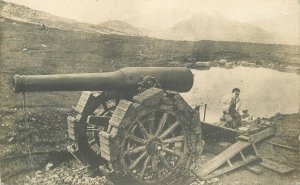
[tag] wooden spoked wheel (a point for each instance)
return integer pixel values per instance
(105, 110)
(151, 138)
(98, 108)
(155, 146)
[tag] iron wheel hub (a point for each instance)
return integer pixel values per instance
(154, 146)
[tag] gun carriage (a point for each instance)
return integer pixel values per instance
(132, 121)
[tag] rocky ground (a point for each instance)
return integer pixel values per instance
(35, 153)
(65, 173)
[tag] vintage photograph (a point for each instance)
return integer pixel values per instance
(149, 92)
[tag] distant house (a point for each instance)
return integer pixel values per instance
(202, 64)
(243, 63)
(222, 61)
(188, 64)
(174, 64)
(293, 69)
(228, 65)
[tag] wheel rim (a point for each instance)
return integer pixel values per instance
(155, 146)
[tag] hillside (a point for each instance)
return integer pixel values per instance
(174, 25)
(24, 14)
(122, 27)
(54, 46)
(26, 49)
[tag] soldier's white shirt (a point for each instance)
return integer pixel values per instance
(227, 101)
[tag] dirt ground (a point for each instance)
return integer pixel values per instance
(33, 141)
(38, 139)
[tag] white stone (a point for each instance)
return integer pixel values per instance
(49, 166)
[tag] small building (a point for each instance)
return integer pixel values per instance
(229, 65)
(243, 63)
(202, 64)
(222, 61)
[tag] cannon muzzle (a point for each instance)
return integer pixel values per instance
(170, 78)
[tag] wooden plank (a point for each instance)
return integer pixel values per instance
(223, 128)
(228, 169)
(98, 120)
(254, 148)
(214, 132)
(244, 138)
(282, 146)
(275, 166)
(220, 159)
(229, 163)
(255, 169)
(262, 135)
(243, 156)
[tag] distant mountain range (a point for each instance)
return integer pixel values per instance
(198, 27)
(206, 27)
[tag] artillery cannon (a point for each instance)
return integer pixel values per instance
(133, 120)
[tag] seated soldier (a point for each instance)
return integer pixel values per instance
(231, 106)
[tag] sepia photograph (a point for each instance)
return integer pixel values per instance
(149, 92)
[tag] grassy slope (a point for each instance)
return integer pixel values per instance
(77, 52)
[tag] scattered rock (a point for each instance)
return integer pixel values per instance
(236, 182)
(39, 172)
(214, 180)
(49, 166)
(10, 140)
(198, 182)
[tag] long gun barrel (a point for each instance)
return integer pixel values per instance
(171, 78)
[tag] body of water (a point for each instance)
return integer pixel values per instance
(264, 92)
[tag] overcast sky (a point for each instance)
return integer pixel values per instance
(96, 11)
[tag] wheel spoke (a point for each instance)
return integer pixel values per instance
(135, 150)
(173, 152)
(143, 129)
(136, 139)
(137, 160)
(98, 152)
(134, 127)
(169, 130)
(162, 122)
(144, 168)
(154, 167)
(92, 142)
(165, 162)
(151, 124)
(104, 105)
(174, 139)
